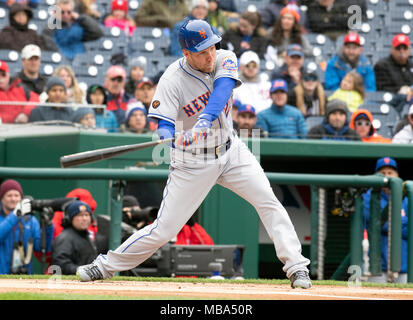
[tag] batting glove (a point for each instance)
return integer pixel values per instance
(199, 131)
(23, 207)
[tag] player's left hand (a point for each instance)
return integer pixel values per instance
(199, 131)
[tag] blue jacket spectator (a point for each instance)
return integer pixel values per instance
(282, 120)
(348, 59)
(388, 167)
(75, 29)
(11, 227)
(199, 10)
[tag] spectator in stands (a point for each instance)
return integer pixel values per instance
(362, 122)
(85, 196)
(247, 120)
(271, 12)
(74, 246)
(286, 31)
(9, 3)
(17, 226)
(75, 93)
(291, 71)
(86, 117)
(137, 68)
(405, 135)
(335, 125)
(351, 91)
(349, 58)
(328, 17)
(395, 72)
(144, 92)
(388, 167)
(14, 91)
(17, 35)
(88, 7)
(75, 29)
(246, 35)
(118, 98)
(198, 11)
(135, 119)
(96, 94)
(29, 76)
(254, 90)
(161, 13)
(282, 120)
(308, 95)
(216, 17)
(56, 92)
(119, 17)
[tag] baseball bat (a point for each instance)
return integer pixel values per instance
(76, 159)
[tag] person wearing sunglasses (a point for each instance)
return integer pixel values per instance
(394, 73)
(362, 122)
(308, 95)
(406, 134)
(117, 98)
(73, 29)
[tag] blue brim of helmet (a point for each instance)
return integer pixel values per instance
(206, 43)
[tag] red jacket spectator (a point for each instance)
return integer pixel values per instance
(192, 233)
(14, 92)
(83, 195)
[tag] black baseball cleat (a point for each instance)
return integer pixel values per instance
(89, 272)
(300, 279)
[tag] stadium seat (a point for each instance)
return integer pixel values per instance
(326, 47)
(313, 121)
(148, 46)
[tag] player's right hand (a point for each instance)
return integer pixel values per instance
(23, 207)
(185, 139)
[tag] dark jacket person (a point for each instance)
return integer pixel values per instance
(17, 35)
(73, 247)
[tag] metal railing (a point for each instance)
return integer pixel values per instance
(116, 176)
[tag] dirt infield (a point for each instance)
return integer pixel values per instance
(198, 290)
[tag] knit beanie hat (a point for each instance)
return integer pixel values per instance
(129, 201)
(54, 81)
(81, 112)
(76, 207)
(133, 106)
(336, 105)
(8, 185)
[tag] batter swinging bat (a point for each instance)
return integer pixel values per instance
(106, 153)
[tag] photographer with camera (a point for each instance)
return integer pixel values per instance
(74, 246)
(20, 232)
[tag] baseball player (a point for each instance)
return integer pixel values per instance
(193, 103)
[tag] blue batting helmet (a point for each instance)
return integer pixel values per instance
(197, 35)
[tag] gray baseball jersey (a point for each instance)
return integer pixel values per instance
(183, 92)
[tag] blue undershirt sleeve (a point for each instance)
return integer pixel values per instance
(218, 99)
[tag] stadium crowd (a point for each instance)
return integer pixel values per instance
(291, 88)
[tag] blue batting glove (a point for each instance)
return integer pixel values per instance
(202, 127)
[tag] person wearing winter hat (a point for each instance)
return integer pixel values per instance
(56, 92)
(137, 69)
(18, 226)
(362, 122)
(119, 17)
(388, 167)
(135, 119)
(86, 117)
(18, 34)
(96, 94)
(74, 246)
(335, 124)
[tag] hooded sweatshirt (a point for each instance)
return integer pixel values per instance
(373, 136)
(17, 36)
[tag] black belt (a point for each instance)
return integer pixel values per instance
(214, 150)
